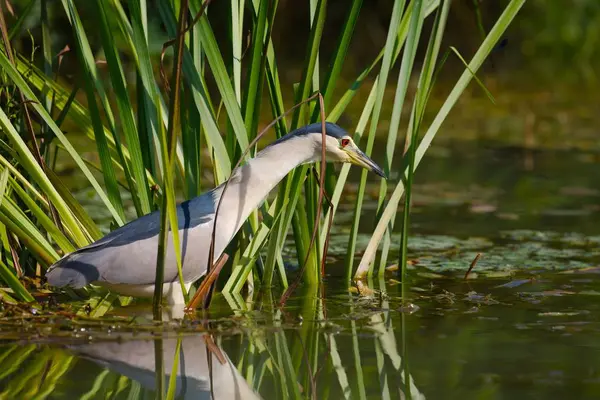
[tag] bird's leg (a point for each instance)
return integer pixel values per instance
(206, 284)
(210, 345)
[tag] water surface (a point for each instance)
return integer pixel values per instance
(524, 325)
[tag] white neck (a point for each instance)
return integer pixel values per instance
(250, 184)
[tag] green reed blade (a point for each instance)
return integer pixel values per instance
(214, 141)
(148, 115)
(339, 108)
(9, 277)
(297, 214)
(424, 87)
(484, 50)
(83, 218)
(172, 388)
(381, 85)
(237, 38)
(18, 223)
(64, 100)
(41, 216)
(94, 87)
(253, 91)
(242, 268)
(339, 56)
(406, 66)
(312, 52)
(139, 189)
(219, 71)
(34, 170)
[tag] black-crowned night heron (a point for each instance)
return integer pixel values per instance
(125, 260)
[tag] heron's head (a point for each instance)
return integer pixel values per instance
(339, 146)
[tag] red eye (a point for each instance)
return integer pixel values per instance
(345, 142)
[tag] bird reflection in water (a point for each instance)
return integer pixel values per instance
(198, 374)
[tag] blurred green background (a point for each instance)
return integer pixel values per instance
(542, 74)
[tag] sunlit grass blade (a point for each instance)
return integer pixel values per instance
(148, 115)
(408, 58)
(94, 87)
(219, 71)
(419, 104)
(41, 216)
(297, 214)
(34, 169)
(64, 100)
(339, 56)
(9, 277)
(254, 82)
(343, 174)
(139, 187)
(381, 85)
(242, 268)
(484, 50)
(214, 141)
(172, 388)
(20, 225)
(83, 218)
(339, 107)
(237, 32)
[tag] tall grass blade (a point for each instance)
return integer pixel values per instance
(484, 50)
(94, 86)
(253, 92)
(339, 56)
(29, 162)
(381, 85)
(408, 58)
(214, 141)
(172, 388)
(139, 188)
(219, 71)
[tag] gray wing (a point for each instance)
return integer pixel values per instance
(128, 254)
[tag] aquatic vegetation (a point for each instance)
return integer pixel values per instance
(157, 127)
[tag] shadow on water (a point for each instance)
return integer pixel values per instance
(525, 325)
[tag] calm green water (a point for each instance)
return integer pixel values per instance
(524, 326)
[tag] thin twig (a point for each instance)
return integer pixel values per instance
(329, 225)
(211, 252)
(28, 123)
(473, 263)
(12, 244)
(171, 42)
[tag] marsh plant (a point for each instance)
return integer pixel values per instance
(161, 121)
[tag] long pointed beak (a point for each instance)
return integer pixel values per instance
(357, 157)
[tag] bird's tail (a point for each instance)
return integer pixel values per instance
(70, 272)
